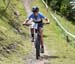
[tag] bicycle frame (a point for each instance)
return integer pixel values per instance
(36, 34)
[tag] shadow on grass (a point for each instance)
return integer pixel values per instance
(50, 57)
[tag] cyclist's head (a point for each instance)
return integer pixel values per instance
(35, 10)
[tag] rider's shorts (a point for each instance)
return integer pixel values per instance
(32, 25)
(40, 25)
(36, 25)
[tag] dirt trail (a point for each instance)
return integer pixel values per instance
(26, 4)
(30, 59)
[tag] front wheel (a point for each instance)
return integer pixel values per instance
(37, 53)
(37, 47)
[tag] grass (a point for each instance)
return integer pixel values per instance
(14, 45)
(60, 50)
(69, 25)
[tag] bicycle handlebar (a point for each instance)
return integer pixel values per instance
(31, 24)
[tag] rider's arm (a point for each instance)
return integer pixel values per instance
(28, 19)
(45, 18)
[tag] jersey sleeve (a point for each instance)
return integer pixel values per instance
(42, 16)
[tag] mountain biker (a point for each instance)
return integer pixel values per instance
(38, 17)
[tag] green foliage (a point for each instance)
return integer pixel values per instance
(53, 4)
(64, 7)
(14, 43)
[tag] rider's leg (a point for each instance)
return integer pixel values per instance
(41, 34)
(42, 44)
(32, 29)
(32, 34)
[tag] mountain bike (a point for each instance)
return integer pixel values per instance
(37, 40)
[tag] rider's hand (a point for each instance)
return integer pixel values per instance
(25, 22)
(47, 21)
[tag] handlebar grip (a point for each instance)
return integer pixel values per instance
(46, 23)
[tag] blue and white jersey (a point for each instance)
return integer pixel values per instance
(36, 18)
